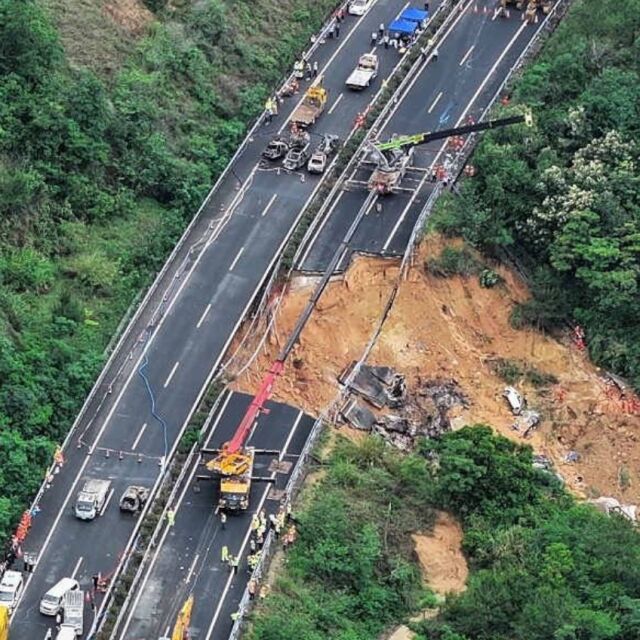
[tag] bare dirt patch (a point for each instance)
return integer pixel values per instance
(455, 329)
(131, 15)
(440, 555)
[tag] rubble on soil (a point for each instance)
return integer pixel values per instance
(611, 505)
(424, 413)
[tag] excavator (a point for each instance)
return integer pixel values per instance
(393, 158)
(4, 623)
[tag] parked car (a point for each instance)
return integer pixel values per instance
(359, 7)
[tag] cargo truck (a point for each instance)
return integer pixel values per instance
(74, 612)
(311, 107)
(365, 73)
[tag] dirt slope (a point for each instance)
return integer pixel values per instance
(454, 328)
(440, 555)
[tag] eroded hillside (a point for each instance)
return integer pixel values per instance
(453, 328)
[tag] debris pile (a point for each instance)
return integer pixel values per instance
(424, 413)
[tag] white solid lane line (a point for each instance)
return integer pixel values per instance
(203, 316)
(273, 199)
(235, 260)
(216, 615)
(192, 568)
(137, 440)
(335, 104)
(168, 380)
(458, 123)
(466, 55)
(75, 570)
(434, 103)
(106, 502)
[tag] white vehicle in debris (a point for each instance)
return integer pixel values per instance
(365, 73)
(91, 498)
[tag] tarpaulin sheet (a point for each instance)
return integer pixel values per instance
(404, 27)
(414, 15)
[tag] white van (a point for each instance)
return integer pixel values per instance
(10, 589)
(51, 601)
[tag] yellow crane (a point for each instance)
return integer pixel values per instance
(181, 628)
(4, 623)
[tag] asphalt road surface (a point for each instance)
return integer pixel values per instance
(178, 340)
(474, 58)
(188, 559)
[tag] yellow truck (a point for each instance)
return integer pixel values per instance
(311, 107)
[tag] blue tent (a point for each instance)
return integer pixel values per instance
(403, 27)
(414, 15)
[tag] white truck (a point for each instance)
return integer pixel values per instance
(364, 73)
(91, 498)
(74, 612)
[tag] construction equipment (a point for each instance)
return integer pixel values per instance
(181, 628)
(233, 462)
(311, 107)
(393, 158)
(364, 73)
(134, 498)
(4, 623)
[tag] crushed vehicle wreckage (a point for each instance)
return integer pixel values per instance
(380, 403)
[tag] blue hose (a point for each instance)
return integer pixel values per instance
(153, 403)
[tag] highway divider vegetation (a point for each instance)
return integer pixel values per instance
(104, 157)
(541, 565)
(564, 199)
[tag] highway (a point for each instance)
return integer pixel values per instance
(474, 57)
(188, 560)
(177, 340)
(168, 579)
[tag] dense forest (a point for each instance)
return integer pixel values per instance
(542, 566)
(564, 199)
(107, 148)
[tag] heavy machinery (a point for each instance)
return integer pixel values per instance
(311, 107)
(181, 628)
(4, 623)
(393, 158)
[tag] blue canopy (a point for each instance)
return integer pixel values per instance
(403, 27)
(414, 15)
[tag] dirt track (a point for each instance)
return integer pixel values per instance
(454, 328)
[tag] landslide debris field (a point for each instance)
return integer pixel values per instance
(451, 333)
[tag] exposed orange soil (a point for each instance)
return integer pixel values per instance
(131, 15)
(453, 328)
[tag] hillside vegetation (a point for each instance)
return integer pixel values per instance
(565, 198)
(542, 567)
(103, 159)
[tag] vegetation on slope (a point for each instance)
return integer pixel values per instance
(542, 567)
(565, 197)
(98, 176)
